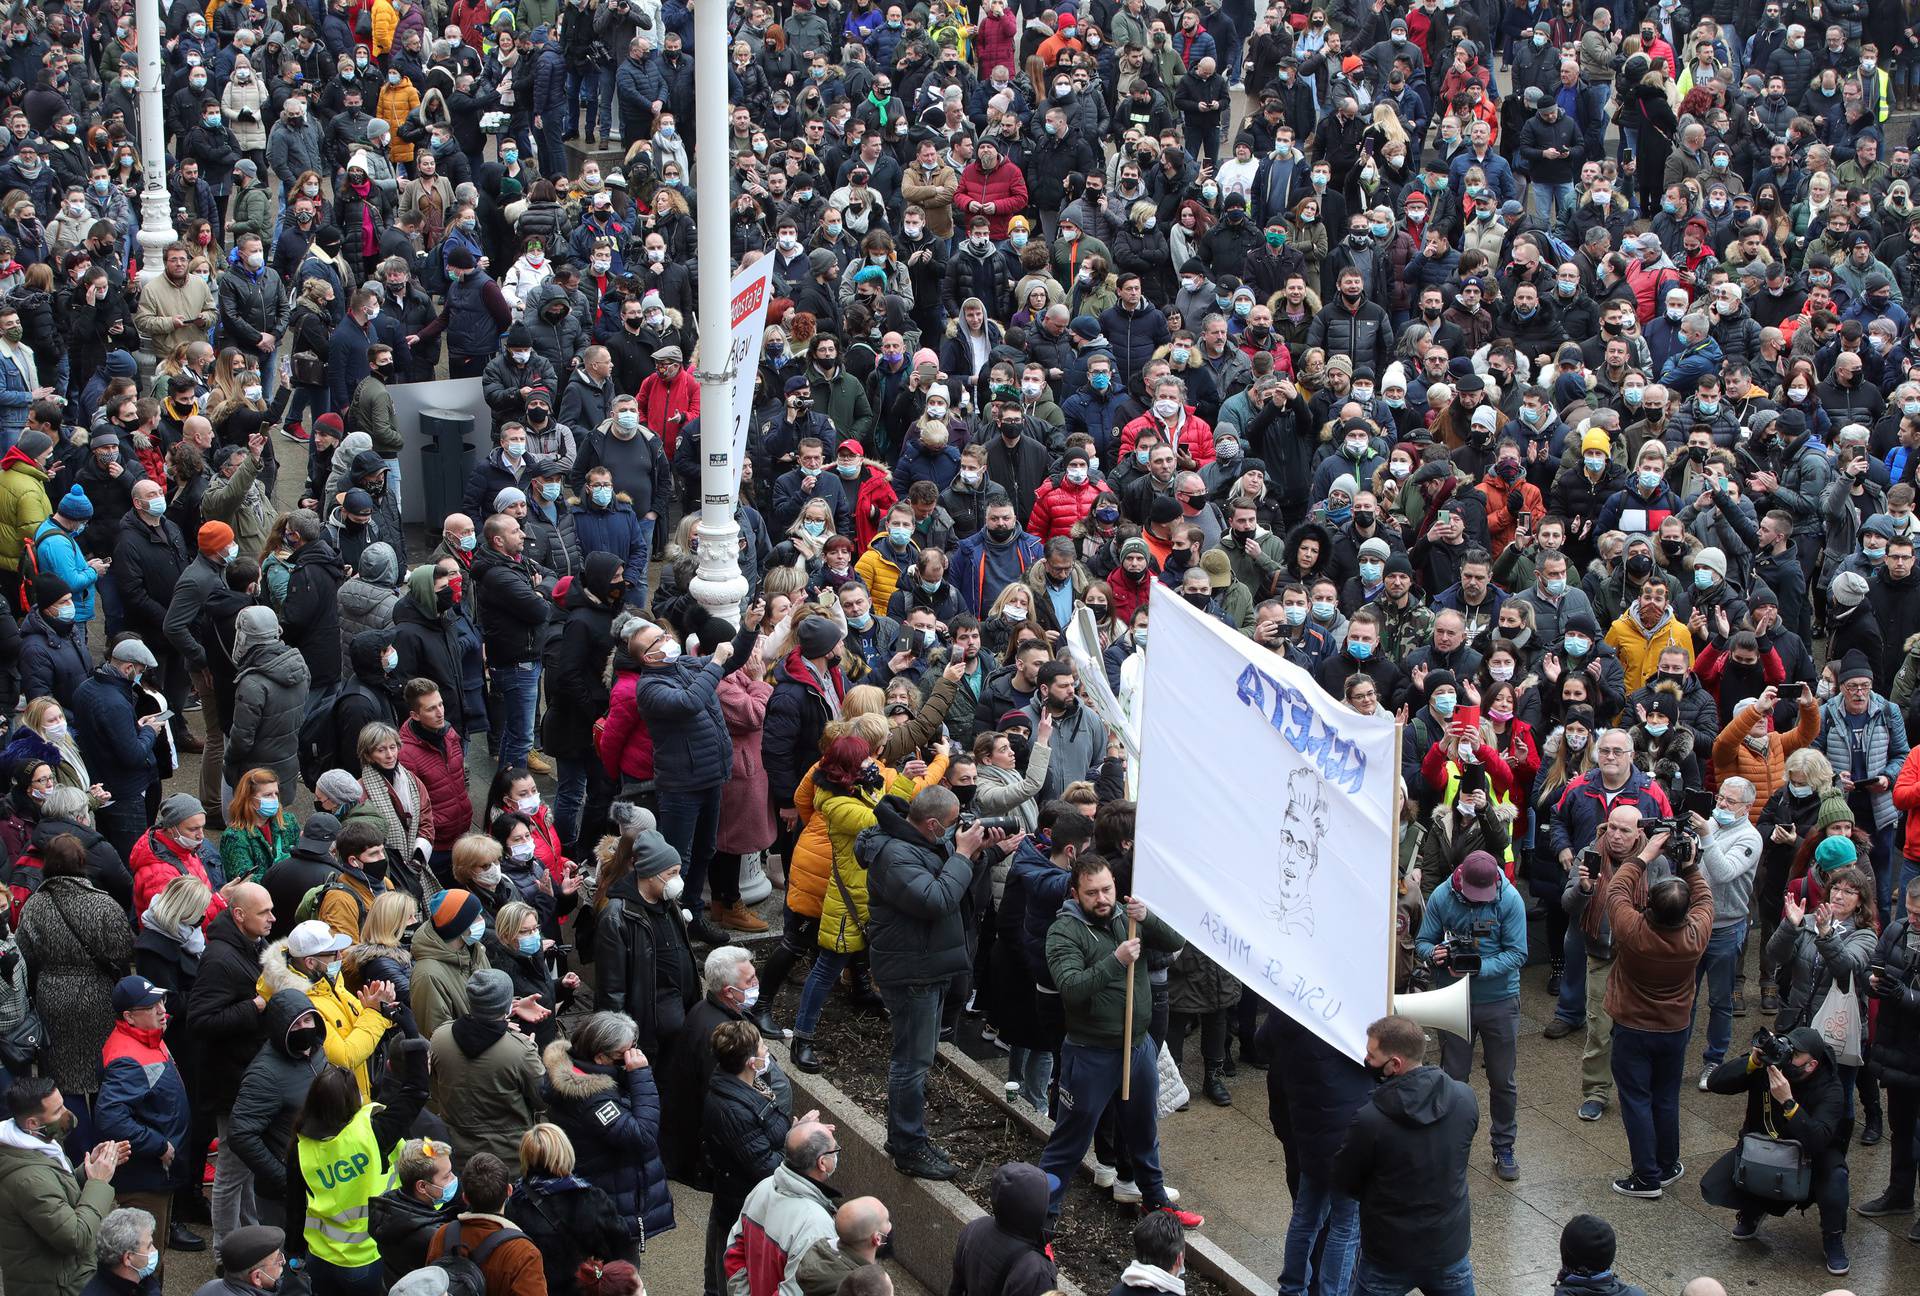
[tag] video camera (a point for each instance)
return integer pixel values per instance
(1463, 948)
(1683, 844)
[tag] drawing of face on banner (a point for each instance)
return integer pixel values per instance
(1302, 827)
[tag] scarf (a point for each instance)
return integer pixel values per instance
(874, 99)
(363, 191)
(475, 1035)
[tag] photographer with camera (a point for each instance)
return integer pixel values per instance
(1477, 925)
(1793, 1095)
(1893, 978)
(1650, 998)
(923, 893)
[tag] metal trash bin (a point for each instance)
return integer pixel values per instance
(446, 457)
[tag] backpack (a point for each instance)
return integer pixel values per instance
(309, 906)
(318, 749)
(462, 1268)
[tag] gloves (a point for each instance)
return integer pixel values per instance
(1515, 501)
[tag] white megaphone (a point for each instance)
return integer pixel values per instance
(1444, 1009)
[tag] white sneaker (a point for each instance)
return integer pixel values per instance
(1705, 1072)
(1104, 1175)
(1127, 1193)
(754, 883)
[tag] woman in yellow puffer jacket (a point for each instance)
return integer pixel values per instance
(847, 784)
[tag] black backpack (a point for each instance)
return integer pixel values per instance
(319, 748)
(462, 1267)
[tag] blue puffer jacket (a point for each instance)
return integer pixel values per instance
(118, 749)
(680, 702)
(142, 1101)
(615, 530)
(1043, 888)
(613, 1117)
(59, 554)
(1503, 951)
(54, 661)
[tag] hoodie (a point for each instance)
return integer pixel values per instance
(271, 1094)
(1005, 1253)
(1406, 1161)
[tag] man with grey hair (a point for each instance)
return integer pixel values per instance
(1698, 355)
(1729, 856)
(785, 1214)
(125, 1248)
(731, 993)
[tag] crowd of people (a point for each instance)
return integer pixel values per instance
(1541, 373)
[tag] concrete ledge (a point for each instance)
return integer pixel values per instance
(1202, 1253)
(927, 1216)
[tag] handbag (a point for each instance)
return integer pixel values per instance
(22, 1044)
(1774, 1169)
(1838, 1022)
(309, 370)
(1174, 1093)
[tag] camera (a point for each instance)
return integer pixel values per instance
(988, 823)
(1683, 844)
(1772, 1049)
(1463, 948)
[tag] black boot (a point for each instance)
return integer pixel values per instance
(1216, 1089)
(1228, 1067)
(1555, 968)
(861, 994)
(702, 932)
(804, 1056)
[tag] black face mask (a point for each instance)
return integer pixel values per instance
(375, 869)
(999, 535)
(1379, 1073)
(964, 794)
(303, 1040)
(443, 599)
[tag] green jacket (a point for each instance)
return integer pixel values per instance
(23, 507)
(440, 972)
(1093, 984)
(252, 214)
(373, 414)
(48, 1219)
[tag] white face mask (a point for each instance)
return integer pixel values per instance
(528, 804)
(488, 876)
(675, 885)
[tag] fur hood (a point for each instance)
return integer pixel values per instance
(567, 1080)
(277, 973)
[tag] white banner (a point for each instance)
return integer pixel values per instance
(1264, 833)
(751, 293)
(1089, 662)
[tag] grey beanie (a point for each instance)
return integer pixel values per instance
(489, 993)
(652, 854)
(340, 787)
(179, 808)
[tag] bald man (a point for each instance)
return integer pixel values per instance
(862, 1229)
(223, 1016)
(1704, 1286)
(785, 1214)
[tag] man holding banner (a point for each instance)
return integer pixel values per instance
(1091, 954)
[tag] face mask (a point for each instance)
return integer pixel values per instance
(1702, 578)
(1649, 480)
(1443, 704)
(972, 476)
(1657, 730)
(479, 928)
(468, 541)
(1370, 573)
(1360, 651)
(452, 1190)
(333, 970)
(64, 612)
(675, 885)
(1164, 409)
(1323, 610)
(1077, 476)
(1577, 646)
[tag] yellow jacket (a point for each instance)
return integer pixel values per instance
(353, 1032)
(396, 102)
(846, 817)
(1640, 648)
(385, 20)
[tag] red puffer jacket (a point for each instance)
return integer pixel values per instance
(1004, 187)
(442, 771)
(1058, 504)
(625, 746)
(157, 860)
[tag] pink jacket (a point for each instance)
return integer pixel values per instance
(746, 812)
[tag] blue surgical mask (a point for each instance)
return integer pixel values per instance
(1444, 703)
(602, 495)
(1102, 381)
(530, 944)
(63, 612)
(451, 1191)
(1361, 651)
(1323, 610)
(814, 528)
(468, 540)
(1371, 572)
(1725, 817)
(900, 536)
(1708, 406)
(1577, 645)
(549, 491)
(1649, 480)
(862, 621)
(1802, 790)
(1702, 578)
(269, 807)
(1657, 730)
(148, 1265)
(1295, 614)
(1594, 463)
(1557, 586)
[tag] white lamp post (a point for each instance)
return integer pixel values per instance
(156, 218)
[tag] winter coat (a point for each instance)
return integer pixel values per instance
(747, 822)
(1503, 951)
(1886, 749)
(434, 646)
(1325, 1089)
(569, 1220)
(485, 1085)
(1405, 1159)
(54, 661)
(1767, 773)
(783, 1216)
(576, 670)
(440, 768)
(744, 1127)
(310, 618)
(917, 895)
(220, 1012)
(49, 1218)
(142, 1101)
(269, 702)
(681, 705)
(364, 605)
(78, 944)
(271, 1089)
(404, 1226)
(643, 965)
(796, 716)
(844, 908)
(1006, 1253)
(1092, 982)
(440, 971)
(353, 1031)
(1896, 1028)
(1808, 965)
(613, 1117)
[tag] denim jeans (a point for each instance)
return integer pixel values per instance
(512, 692)
(571, 796)
(1550, 200)
(1032, 1070)
(393, 480)
(1572, 1008)
(689, 820)
(1370, 1279)
(827, 967)
(112, 609)
(913, 1011)
(234, 1204)
(1318, 1205)
(1716, 968)
(1648, 1070)
(583, 97)
(333, 1280)
(308, 403)
(638, 580)
(1089, 1080)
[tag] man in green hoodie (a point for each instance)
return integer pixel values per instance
(1091, 956)
(48, 1216)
